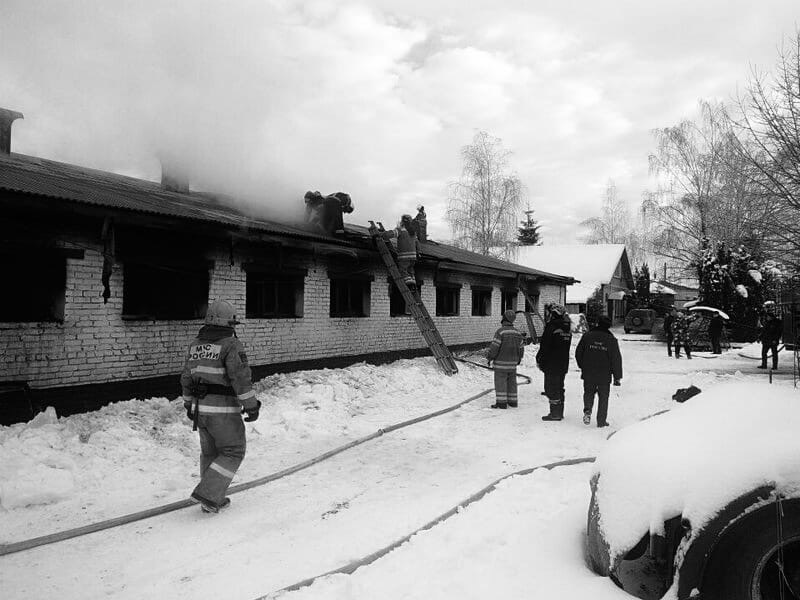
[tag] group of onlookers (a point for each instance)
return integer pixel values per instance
(597, 355)
(770, 330)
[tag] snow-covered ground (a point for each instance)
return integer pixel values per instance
(525, 537)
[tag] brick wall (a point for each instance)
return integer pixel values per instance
(95, 345)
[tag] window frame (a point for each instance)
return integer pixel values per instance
(505, 296)
(395, 297)
(166, 279)
(481, 300)
(350, 283)
(290, 282)
(36, 272)
(443, 289)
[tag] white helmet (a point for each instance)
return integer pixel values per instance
(221, 313)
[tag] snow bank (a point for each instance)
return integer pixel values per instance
(696, 458)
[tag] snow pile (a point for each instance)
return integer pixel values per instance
(130, 455)
(696, 458)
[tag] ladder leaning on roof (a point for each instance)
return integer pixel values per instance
(529, 315)
(426, 325)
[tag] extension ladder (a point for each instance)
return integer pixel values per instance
(426, 325)
(528, 315)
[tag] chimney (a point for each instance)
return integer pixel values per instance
(7, 117)
(173, 177)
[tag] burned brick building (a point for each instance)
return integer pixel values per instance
(108, 277)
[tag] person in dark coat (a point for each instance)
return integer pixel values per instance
(553, 360)
(505, 351)
(770, 335)
(680, 331)
(715, 333)
(669, 319)
(600, 361)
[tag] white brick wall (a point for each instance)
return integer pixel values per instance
(95, 345)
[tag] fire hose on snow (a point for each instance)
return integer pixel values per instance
(60, 536)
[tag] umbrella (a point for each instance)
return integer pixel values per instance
(711, 309)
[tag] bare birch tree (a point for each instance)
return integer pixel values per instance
(614, 225)
(705, 190)
(768, 125)
(483, 205)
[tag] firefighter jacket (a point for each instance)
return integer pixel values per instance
(407, 243)
(553, 354)
(598, 356)
(506, 349)
(216, 374)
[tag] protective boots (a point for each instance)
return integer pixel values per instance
(556, 412)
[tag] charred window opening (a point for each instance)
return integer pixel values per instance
(350, 297)
(153, 291)
(447, 300)
(397, 304)
(274, 294)
(481, 301)
(508, 300)
(37, 289)
(532, 308)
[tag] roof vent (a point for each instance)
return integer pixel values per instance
(7, 117)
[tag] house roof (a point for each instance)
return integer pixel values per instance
(61, 181)
(592, 265)
(57, 180)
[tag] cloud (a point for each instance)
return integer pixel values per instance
(266, 99)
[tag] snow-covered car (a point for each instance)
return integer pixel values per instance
(640, 319)
(703, 501)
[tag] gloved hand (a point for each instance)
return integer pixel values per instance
(252, 413)
(187, 404)
(616, 382)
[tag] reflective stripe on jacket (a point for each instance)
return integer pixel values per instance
(218, 358)
(506, 349)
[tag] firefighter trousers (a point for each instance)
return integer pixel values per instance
(222, 448)
(505, 387)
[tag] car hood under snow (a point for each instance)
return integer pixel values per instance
(696, 458)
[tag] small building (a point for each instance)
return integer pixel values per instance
(595, 266)
(108, 279)
(683, 292)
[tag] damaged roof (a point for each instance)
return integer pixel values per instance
(62, 181)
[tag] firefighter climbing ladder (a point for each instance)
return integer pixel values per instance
(426, 325)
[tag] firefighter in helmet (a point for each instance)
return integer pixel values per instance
(217, 389)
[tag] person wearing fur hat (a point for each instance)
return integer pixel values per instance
(553, 359)
(599, 360)
(505, 351)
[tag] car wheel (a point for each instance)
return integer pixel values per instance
(637, 321)
(753, 562)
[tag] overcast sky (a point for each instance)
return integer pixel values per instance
(267, 99)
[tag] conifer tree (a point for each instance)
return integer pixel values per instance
(529, 232)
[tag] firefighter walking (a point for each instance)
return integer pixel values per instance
(506, 351)
(217, 389)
